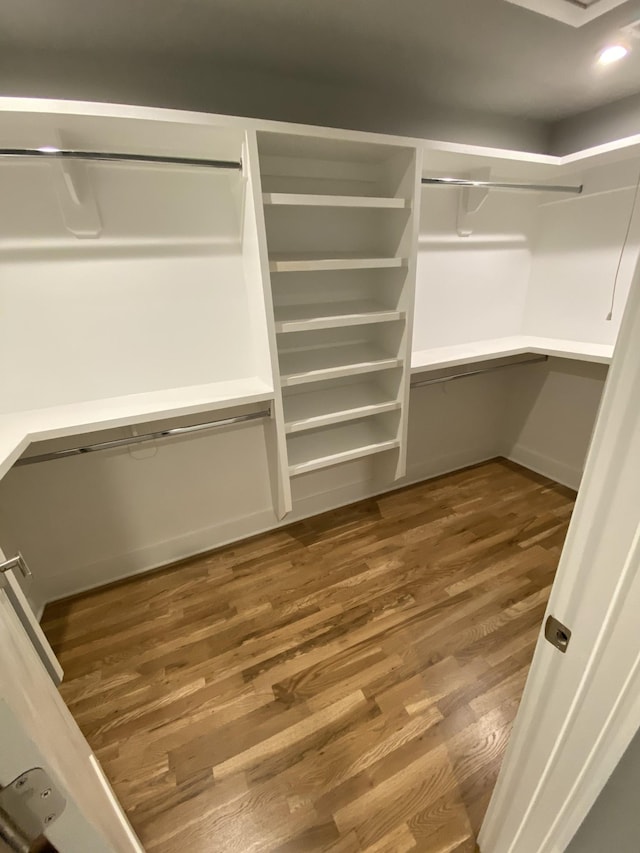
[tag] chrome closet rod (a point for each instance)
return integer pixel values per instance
(73, 154)
(452, 376)
(138, 439)
(501, 185)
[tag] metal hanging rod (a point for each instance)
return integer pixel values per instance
(138, 439)
(451, 377)
(501, 185)
(73, 154)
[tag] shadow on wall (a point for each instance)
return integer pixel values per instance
(92, 519)
(551, 416)
(256, 93)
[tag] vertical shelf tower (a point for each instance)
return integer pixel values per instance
(341, 234)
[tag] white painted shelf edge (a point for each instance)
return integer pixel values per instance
(19, 429)
(344, 456)
(303, 200)
(333, 315)
(343, 416)
(309, 263)
(455, 356)
(312, 366)
(353, 441)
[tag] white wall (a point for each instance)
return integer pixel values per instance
(470, 288)
(551, 414)
(157, 300)
(577, 255)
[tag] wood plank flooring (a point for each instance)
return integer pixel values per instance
(347, 683)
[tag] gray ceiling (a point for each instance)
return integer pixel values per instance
(484, 54)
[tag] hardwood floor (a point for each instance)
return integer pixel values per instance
(343, 684)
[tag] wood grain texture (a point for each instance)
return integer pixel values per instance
(344, 684)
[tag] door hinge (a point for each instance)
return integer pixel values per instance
(557, 633)
(28, 805)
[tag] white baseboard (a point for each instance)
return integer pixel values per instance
(556, 470)
(196, 542)
(156, 556)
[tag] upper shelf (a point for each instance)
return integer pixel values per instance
(331, 315)
(454, 356)
(306, 200)
(334, 261)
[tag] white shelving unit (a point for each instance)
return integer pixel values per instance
(340, 234)
(293, 284)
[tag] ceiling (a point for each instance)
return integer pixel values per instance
(489, 55)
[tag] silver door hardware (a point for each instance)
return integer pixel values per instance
(17, 562)
(28, 805)
(557, 634)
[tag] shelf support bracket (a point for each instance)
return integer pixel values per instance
(75, 195)
(470, 200)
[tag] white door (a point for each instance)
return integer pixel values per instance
(580, 709)
(37, 731)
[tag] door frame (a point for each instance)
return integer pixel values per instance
(512, 823)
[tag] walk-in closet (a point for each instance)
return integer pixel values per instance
(293, 423)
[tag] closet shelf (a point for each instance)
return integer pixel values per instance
(19, 429)
(460, 354)
(333, 261)
(335, 444)
(312, 365)
(318, 408)
(331, 315)
(303, 200)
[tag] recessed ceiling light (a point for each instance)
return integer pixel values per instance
(612, 53)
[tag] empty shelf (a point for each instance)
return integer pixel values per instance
(327, 406)
(460, 354)
(321, 448)
(330, 315)
(19, 429)
(303, 200)
(311, 365)
(336, 261)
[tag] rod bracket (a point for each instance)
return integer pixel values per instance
(470, 201)
(75, 195)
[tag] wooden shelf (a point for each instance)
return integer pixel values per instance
(312, 365)
(335, 444)
(303, 200)
(334, 261)
(327, 406)
(331, 315)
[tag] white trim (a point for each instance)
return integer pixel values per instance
(540, 164)
(117, 808)
(555, 469)
(568, 12)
